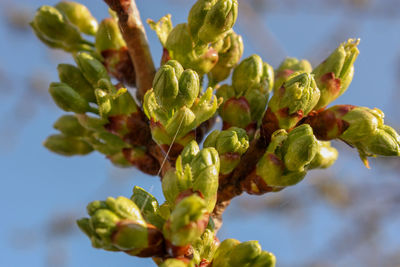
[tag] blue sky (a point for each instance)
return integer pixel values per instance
(37, 185)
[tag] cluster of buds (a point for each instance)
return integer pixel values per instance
(175, 106)
(191, 193)
(111, 133)
(209, 21)
(231, 144)
(360, 127)
(232, 253)
(118, 225)
(61, 26)
(287, 159)
(245, 100)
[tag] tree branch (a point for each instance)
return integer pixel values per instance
(135, 37)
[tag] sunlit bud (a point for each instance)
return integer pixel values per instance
(247, 74)
(92, 69)
(55, 30)
(244, 253)
(67, 145)
(91, 123)
(294, 100)
(236, 112)
(385, 142)
(148, 206)
(334, 74)
(326, 155)
(79, 15)
(72, 76)
(189, 152)
(299, 148)
(70, 126)
(221, 256)
(187, 221)
(265, 259)
(197, 14)
(109, 36)
(68, 99)
(289, 66)
(173, 184)
(218, 21)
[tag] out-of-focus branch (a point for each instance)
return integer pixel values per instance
(135, 37)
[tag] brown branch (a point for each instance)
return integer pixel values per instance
(135, 37)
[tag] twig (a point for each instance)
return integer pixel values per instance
(135, 37)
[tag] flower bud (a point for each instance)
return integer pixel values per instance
(257, 102)
(299, 148)
(70, 126)
(289, 66)
(218, 21)
(72, 76)
(385, 142)
(334, 74)
(247, 74)
(68, 99)
(325, 156)
(79, 15)
(206, 245)
(67, 145)
(92, 69)
(205, 106)
(173, 183)
(91, 123)
(107, 143)
(228, 56)
(109, 36)
(189, 152)
(187, 221)
(222, 253)
(54, 29)
(205, 170)
(294, 100)
(236, 112)
(230, 144)
(173, 263)
(265, 259)
(244, 253)
(197, 14)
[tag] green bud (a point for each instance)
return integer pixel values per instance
(230, 144)
(162, 27)
(183, 226)
(79, 15)
(197, 15)
(257, 102)
(131, 236)
(247, 74)
(72, 76)
(386, 142)
(244, 253)
(206, 245)
(166, 86)
(181, 122)
(174, 183)
(289, 66)
(189, 87)
(363, 122)
(294, 100)
(107, 143)
(299, 148)
(205, 170)
(325, 156)
(125, 208)
(265, 259)
(334, 74)
(222, 253)
(91, 123)
(92, 69)
(205, 106)
(104, 223)
(228, 56)
(67, 145)
(70, 126)
(55, 30)
(218, 21)
(173, 263)
(109, 36)
(189, 152)
(68, 99)
(180, 44)
(94, 206)
(236, 112)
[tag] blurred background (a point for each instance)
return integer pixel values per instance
(344, 216)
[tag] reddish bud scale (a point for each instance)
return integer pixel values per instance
(165, 56)
(332, 84)
(255, 185)
(119, 64)
(203, 263)
(327, 124)
(284, 73)
(269, 125)
(146, 163)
